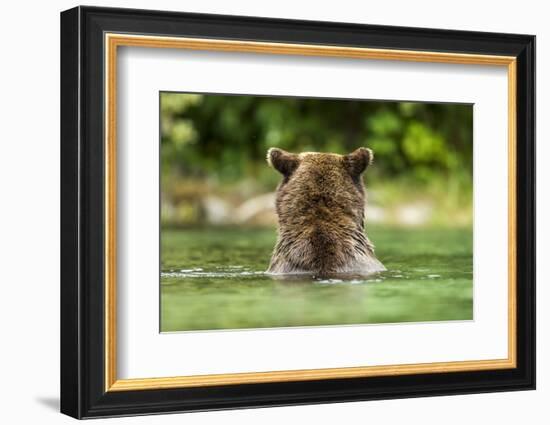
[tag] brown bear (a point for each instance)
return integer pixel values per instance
(320, 208)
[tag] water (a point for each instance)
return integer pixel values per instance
(214, 279)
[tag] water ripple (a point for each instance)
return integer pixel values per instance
(233, 272)
(227, 272)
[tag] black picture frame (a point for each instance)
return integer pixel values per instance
(83, 392)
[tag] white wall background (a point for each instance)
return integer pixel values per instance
(29, 214)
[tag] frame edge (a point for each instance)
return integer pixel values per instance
(70, 347)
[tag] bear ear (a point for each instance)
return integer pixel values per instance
(284, 162)
(358, 161)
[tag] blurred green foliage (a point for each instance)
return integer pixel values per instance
(225, 138)
(213, 155)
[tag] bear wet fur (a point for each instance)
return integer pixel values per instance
(320, 207)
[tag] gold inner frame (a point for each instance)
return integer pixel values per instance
(113, 41)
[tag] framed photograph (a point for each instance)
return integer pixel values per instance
(261, 212)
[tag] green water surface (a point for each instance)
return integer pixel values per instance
(214, 279)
